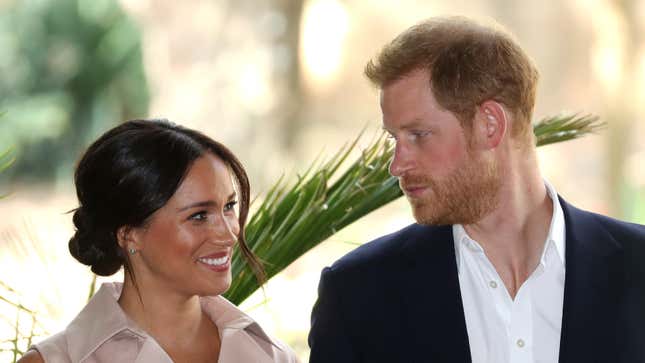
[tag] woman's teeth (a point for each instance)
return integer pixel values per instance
(214, 261)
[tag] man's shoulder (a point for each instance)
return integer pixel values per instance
(389, 248)
(626, 234)
(630, 236)
(621, 227)
(613, 225)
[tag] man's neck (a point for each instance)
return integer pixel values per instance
(513, 235)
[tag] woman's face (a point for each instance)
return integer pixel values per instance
(186, 246)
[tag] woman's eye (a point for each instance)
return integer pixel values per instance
(230, 206)
(199, 216)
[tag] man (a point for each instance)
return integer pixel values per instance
(498, 268)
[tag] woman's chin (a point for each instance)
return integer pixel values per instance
(218, 287)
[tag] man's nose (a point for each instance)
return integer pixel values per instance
(401, 161)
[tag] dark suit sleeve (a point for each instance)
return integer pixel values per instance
(329, 338)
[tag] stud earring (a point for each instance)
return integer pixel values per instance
(132, 251)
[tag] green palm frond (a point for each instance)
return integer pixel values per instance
(565, 127)
(293, 218)
(6, 159)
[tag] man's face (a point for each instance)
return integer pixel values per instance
(446, 180)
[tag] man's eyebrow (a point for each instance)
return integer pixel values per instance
(412, 124)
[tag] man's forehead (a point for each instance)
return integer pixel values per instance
(403, 125)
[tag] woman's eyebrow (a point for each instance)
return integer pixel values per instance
(205, 203)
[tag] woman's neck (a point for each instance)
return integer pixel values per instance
(175, 321)
(165, 315)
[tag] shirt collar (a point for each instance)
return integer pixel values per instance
(102, 318)
(228, 316)
(462, 241)
(555, 237)
(557, 228)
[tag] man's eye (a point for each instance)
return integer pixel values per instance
(230, 206)
(415, 135)
(199, 216)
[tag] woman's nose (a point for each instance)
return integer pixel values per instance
(226, 230)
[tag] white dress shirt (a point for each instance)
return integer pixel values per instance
(525, 329)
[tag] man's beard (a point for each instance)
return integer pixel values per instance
(463, 197)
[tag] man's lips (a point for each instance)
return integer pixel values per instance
(414, 191)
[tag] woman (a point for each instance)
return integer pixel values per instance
(159, 199)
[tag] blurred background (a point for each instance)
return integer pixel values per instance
(280, 82)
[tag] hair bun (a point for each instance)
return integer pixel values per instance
(94, 247)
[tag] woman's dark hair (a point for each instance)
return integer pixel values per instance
(129, 173)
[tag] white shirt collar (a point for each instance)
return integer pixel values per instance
(555, 237)
(557, 231)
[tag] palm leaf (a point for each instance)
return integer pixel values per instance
(293, 219)
(565, 127)
(7, 158)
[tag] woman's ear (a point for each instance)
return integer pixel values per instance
(126, 237)
(492, 123)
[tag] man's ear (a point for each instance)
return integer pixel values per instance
(491, 123)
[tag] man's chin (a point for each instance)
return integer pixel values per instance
(427, 217)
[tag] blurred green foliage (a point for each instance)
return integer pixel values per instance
(24, 325)
(70, 69)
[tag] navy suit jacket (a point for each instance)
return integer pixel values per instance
(397, 298)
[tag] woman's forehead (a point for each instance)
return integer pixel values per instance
(208, 177)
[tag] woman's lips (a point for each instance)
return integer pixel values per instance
(218, 262)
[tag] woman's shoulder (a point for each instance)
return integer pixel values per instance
(32, 356)
(54, 349)
(96, 322)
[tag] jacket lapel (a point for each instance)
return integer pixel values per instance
(592, 289)
(434, 313)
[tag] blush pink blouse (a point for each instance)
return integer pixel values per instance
(102, 332)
